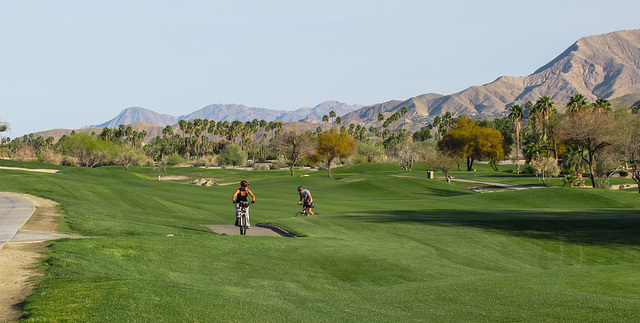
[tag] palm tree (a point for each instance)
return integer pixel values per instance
(3, 126)
(543, 109)
(602, 105)
(404, 111)
(577, 103)
(396, 116)
(332, 115)
(516, 117)
(437, 122)
(338, 120)
(325, 118)
(107, 133)
(167, 131)
(380, 119)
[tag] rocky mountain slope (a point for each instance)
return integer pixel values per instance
(597, 66)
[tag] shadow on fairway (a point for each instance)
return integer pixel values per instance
(588, 227)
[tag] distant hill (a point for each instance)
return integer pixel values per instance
(133, 115)
(597, 66)
(229, 112)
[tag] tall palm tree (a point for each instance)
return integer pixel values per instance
(332, 115)
(437, 122)
(543, 109)
(396, 116)
(380, 119)
(325, 118)
(577, 103)
(516, 118)
(404, 111)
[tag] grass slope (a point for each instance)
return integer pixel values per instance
(384, 248)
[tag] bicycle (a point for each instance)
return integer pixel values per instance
(242, 220)
(305, 211)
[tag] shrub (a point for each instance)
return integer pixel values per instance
(546, 168)
(623, 173)
(528, 169)
(175, 160)
(232, 155)
(50, 157)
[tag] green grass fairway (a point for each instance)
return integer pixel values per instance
(382, 249)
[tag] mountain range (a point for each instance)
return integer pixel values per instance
(605, 66)
(230, 112)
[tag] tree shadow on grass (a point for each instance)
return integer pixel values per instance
(601, 227)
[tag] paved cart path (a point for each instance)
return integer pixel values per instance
(14, 213)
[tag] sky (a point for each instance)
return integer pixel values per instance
(68, 64)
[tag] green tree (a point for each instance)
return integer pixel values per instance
(370, 150)
(90, 150)
(128, 156)
(232, 155)
(423, 134)
(332, 145)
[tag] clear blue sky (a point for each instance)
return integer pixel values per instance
(68, 64)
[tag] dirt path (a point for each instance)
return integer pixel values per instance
(18, 259)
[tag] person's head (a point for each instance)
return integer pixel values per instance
(300, 188)
(244, 184)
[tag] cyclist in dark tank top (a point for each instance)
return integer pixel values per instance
(242, 195)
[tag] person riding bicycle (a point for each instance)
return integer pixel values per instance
(306, 198)
(242, 195)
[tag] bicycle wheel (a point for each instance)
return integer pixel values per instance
(243, 225)
(299, 213)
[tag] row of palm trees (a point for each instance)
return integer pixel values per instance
(201, 135)
(124, 134)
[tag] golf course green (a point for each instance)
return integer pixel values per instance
(383, 248)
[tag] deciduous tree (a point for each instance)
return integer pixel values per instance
(334, 144)
(590, 131)
(472, 142)
(295, 145)
(629, 145)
